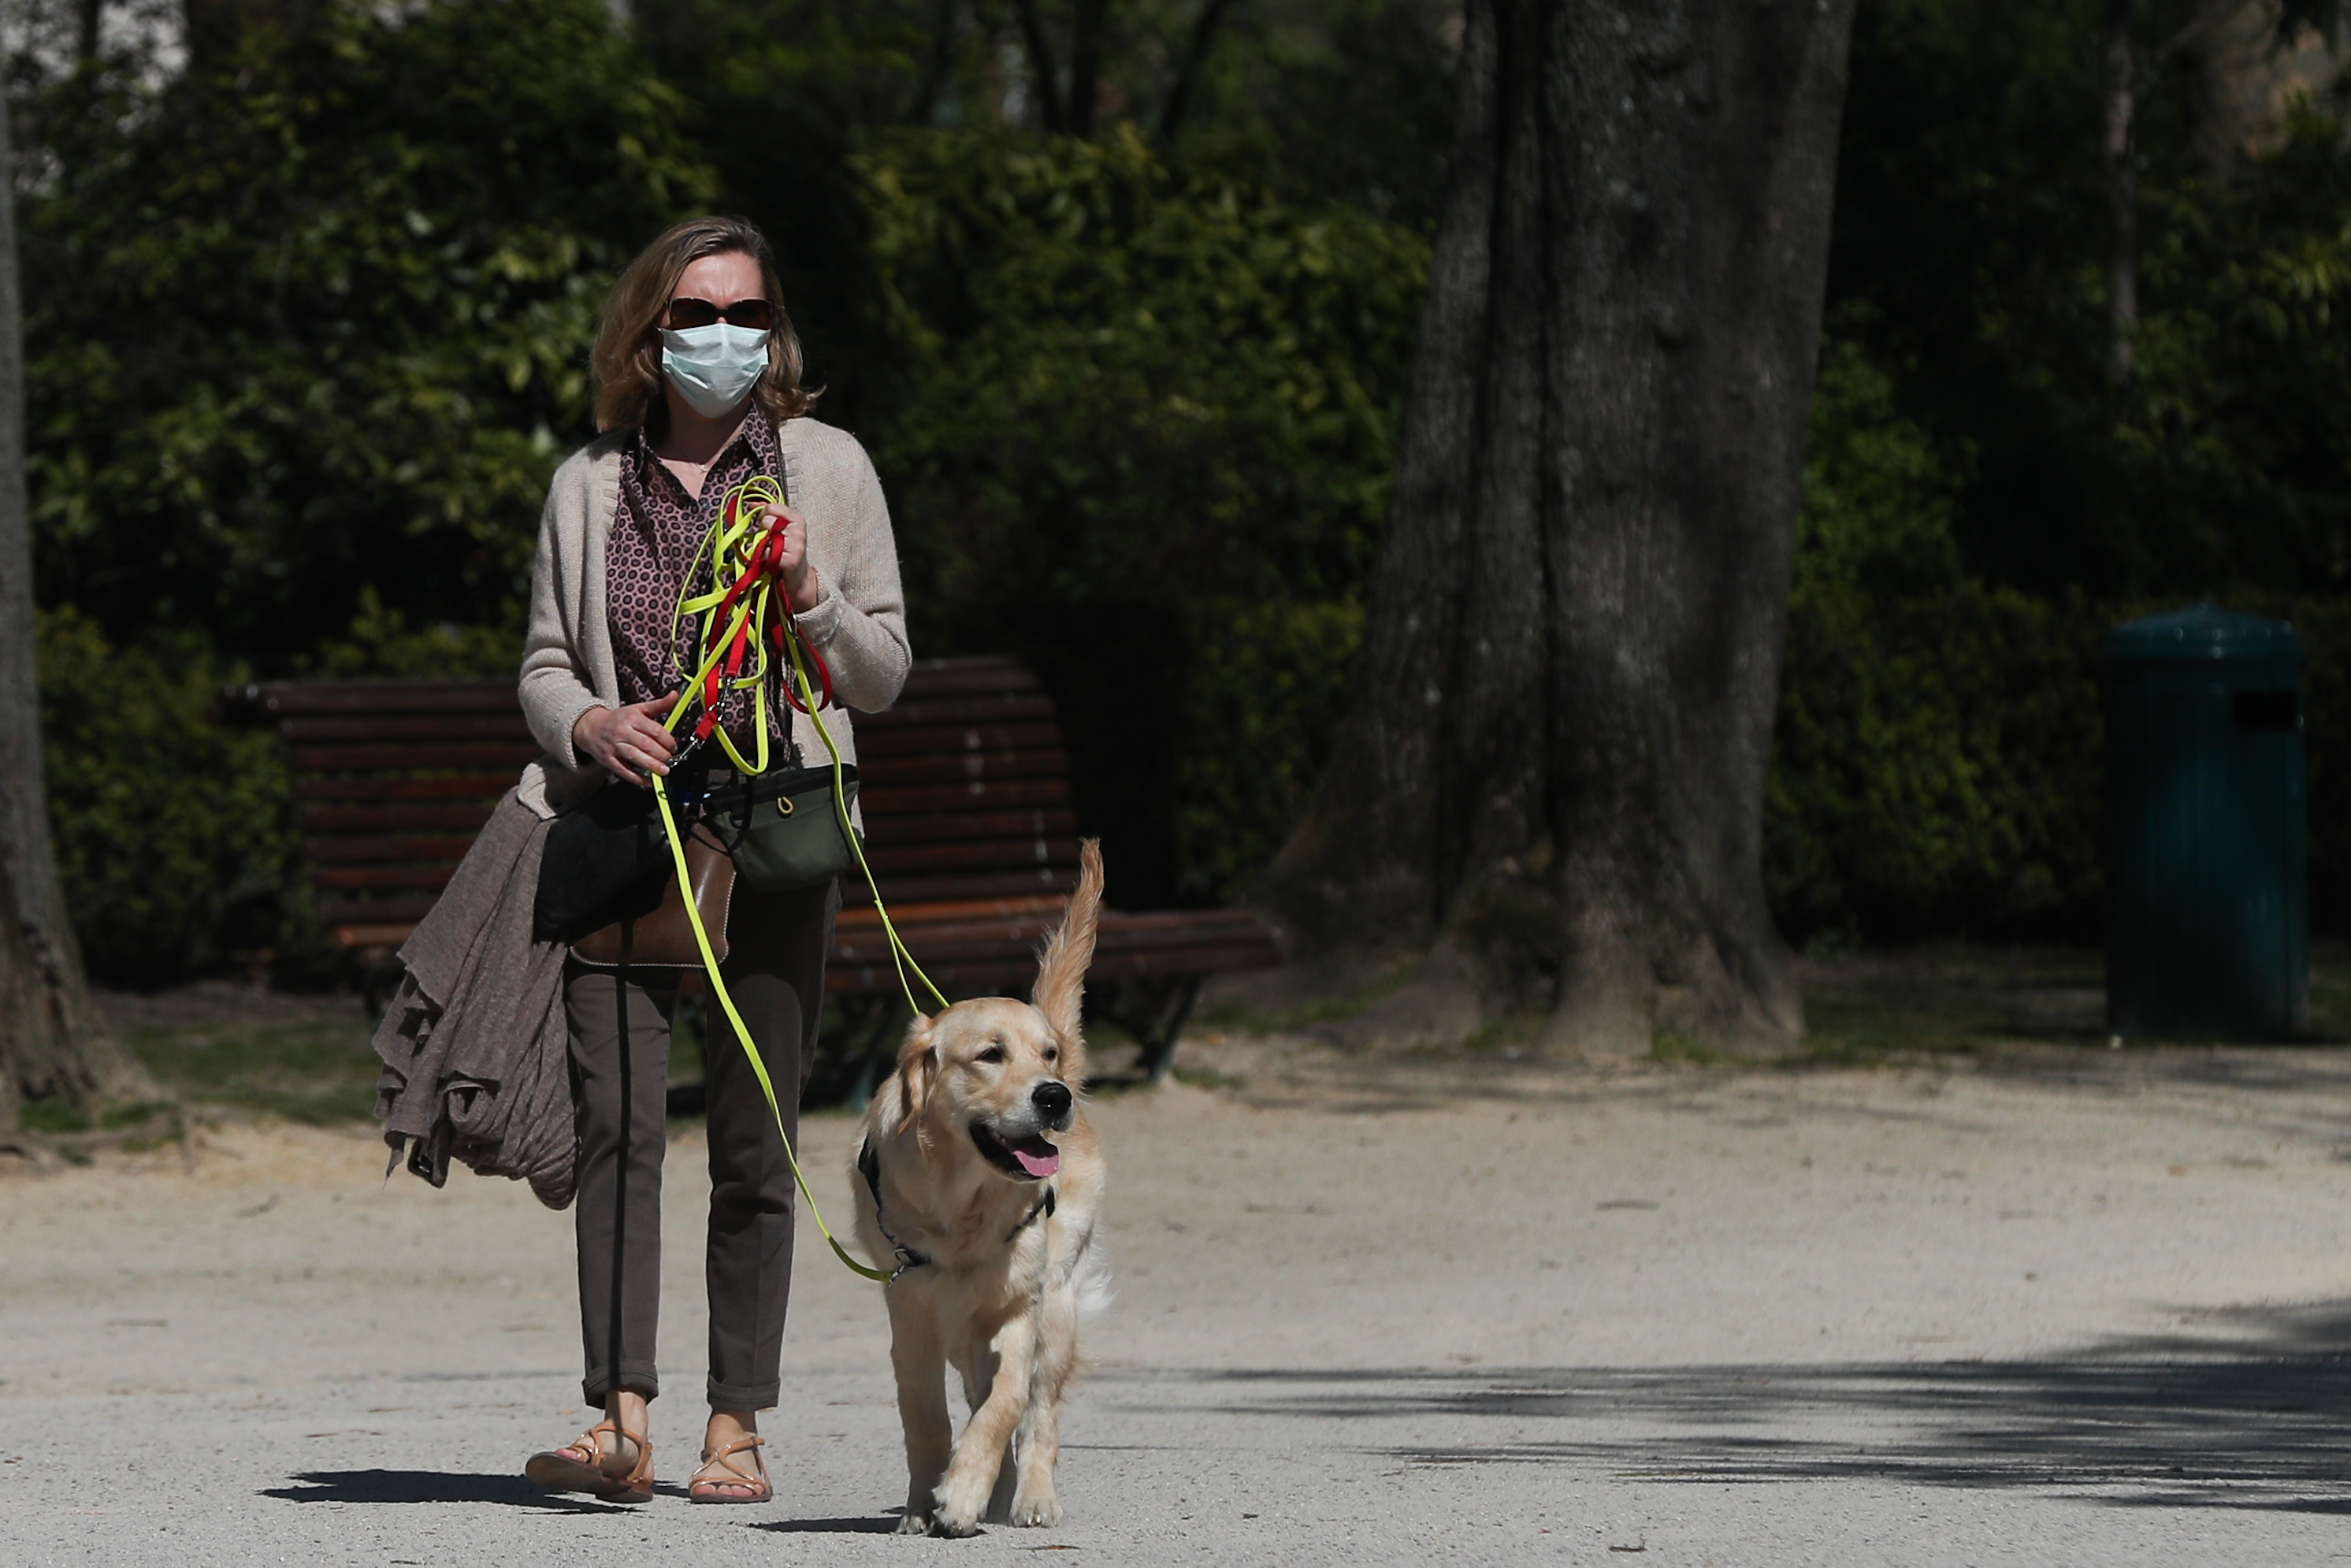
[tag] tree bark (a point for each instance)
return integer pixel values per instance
(1555, 756)
(52, 1039)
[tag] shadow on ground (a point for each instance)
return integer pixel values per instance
(428, 1486)
(2250, 1418)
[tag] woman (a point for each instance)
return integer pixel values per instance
(697, 375)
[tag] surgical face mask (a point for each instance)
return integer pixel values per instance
(714, 367)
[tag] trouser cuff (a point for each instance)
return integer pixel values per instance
(744, 1395)
(636, 1377)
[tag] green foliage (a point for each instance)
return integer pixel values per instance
(1265, 688)
(1934, 766)
(2234, 435)
(380, 644)
(174, 835)
(1141, 431)
(320, 320)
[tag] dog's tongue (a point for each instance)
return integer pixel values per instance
(1037, 1156)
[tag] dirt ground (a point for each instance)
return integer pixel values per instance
(2044, 1302)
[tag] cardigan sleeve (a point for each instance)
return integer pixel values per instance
(859, 623)
(554, 687)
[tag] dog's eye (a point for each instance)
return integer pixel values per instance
(1052, 1054)
(993, 1053)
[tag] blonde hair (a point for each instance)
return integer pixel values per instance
(627, 361)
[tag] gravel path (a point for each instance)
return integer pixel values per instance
(2071, 1306)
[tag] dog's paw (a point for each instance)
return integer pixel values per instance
(912, 1524)
(1041, 1511)
(957, 1510)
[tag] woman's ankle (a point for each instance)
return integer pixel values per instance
(628, 1411)
(727, 1425)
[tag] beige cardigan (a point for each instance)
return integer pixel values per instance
(858, 622)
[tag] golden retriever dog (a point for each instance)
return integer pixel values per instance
(978, 1177)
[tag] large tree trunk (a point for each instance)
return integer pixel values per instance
(52, 1040)
(1556, 756)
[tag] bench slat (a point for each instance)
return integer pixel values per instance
(892, 800)
(891, 860)
(980, 708)
(432, 726)
(982, 673)
(1057, 821)
(483, 787)
(346, 910)
(865, 918)
(385, 850)
(977, 885)
(429, 874)
(875, 739)
(465, 819)
(357, 758)
(892, 772)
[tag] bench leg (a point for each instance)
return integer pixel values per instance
(1154, 1011)
(378, 984)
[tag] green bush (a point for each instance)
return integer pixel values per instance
(1141, 432)
(1935, 768)
(320, 319)
(175, 834)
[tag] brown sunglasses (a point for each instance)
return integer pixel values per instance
(685, 315)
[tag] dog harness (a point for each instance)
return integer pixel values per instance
(869, 1166)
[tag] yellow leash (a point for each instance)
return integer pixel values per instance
(729, 538)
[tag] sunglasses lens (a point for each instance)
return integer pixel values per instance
(685, 315)
(756, 314)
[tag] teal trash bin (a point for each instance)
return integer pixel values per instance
(2207, 921)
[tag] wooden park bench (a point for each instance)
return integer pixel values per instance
(966, 788)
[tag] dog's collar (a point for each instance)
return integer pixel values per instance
(1043, 1206)
(869, 1166)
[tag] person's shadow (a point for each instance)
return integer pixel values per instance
(431, 1485)
(515, 1492)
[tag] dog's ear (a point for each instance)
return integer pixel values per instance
(918, 1068)
(1061, 990)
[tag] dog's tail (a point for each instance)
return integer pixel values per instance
(1061, 969)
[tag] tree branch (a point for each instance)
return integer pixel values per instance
(1041, 69)
(2122, 186)
(1187, 73)
(1085, 67)
(941, 62)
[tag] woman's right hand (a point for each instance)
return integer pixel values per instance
(627, 739)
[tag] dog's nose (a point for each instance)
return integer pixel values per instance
(1052, 1102)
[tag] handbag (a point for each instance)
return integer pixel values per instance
(654, 933)
(608, 886)
(604, 853)
(784, 829)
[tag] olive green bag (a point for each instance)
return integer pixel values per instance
(783, 830)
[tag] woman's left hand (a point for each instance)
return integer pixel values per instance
(800, 578)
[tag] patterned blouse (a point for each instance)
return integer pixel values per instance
(656, 530)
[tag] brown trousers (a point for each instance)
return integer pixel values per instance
(775, 970)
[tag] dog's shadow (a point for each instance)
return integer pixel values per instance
(430, 1485)
(883, 1525)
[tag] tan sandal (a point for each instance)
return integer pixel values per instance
(717, 1472)
(584, 1465)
